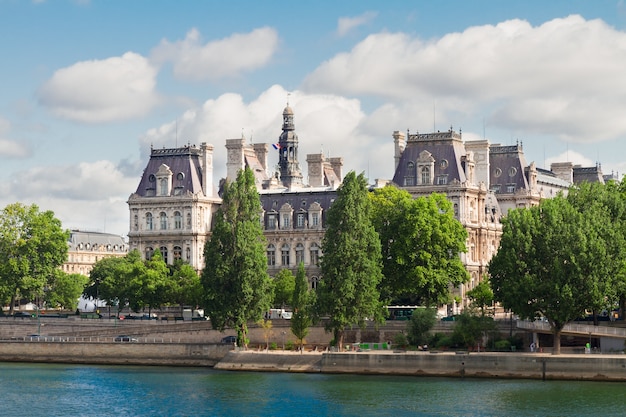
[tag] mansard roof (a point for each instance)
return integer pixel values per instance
(446, 148)
(587, 174)
(84, 240)
(186, 167)
(507, 167)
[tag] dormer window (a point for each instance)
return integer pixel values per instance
(425, 168)
(164, 179)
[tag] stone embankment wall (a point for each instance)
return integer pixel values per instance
(475, 365)
(124, 353)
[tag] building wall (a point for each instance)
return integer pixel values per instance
(87, 248)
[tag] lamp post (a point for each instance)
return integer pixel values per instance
(284, 333)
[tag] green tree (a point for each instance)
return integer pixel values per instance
(605, 205)
(351, 262)
(32, 245)
(235, 278)
(469, 329)
(481, 297)
(65, 289)
(303, 299)
(186, 288)
(107, 281)
(549, 263)
(420, 243)
(422, 321)
(283, 284)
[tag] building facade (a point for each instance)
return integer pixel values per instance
(87, 248)
(293, 212)
(483, 182)
(173, 206)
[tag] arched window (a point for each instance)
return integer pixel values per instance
(163, 217)
(314, 282)
(315, 254)
(284, 254)
(271, 255)
(149, 224)
(299, 253)
(163, 250)
(409, 179)
(178, 220)
(149, 253)
(178, 253)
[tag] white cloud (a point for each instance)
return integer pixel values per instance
(10, 148)
(329, 124)
(346, 24)
(570, 156)
(563, 78)
(116, 88)
(224, 58)
(82, 196)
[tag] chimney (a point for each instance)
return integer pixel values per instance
(207, 169)
(400, 143)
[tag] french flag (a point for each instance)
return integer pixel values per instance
(276, 145)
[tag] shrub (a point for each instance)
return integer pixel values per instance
(400, 340)
(503, 345)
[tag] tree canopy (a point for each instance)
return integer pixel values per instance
(235, 278)
(420, 242)
(283, 286)
(552, 262)
(302, 301)
(351, 263)
(32, 246)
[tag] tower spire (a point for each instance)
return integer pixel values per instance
(290, 173)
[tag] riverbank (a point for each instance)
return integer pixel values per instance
(449, 364)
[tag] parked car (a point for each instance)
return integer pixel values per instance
(125, 338)
(229, 340)
(22, 314)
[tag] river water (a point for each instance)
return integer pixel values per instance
(80, 390)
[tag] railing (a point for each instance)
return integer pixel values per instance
(585, 329)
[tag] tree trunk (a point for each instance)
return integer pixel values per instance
(338, 339)
(556, 350)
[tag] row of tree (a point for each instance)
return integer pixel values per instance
(379, 247)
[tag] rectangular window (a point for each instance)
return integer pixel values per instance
(442, 180)
(409, 181)
(300, 220)
(510, 188)
(285, 257)
(286, 222)
(271, 222)
(315, 219)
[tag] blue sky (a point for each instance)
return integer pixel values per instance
(88, 86)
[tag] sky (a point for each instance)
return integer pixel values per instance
(87, 87)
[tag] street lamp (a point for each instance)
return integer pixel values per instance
(284, 333)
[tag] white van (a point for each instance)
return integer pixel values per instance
(278, 313)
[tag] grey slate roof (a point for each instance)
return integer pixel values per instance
(185, 161)
(443, 146)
